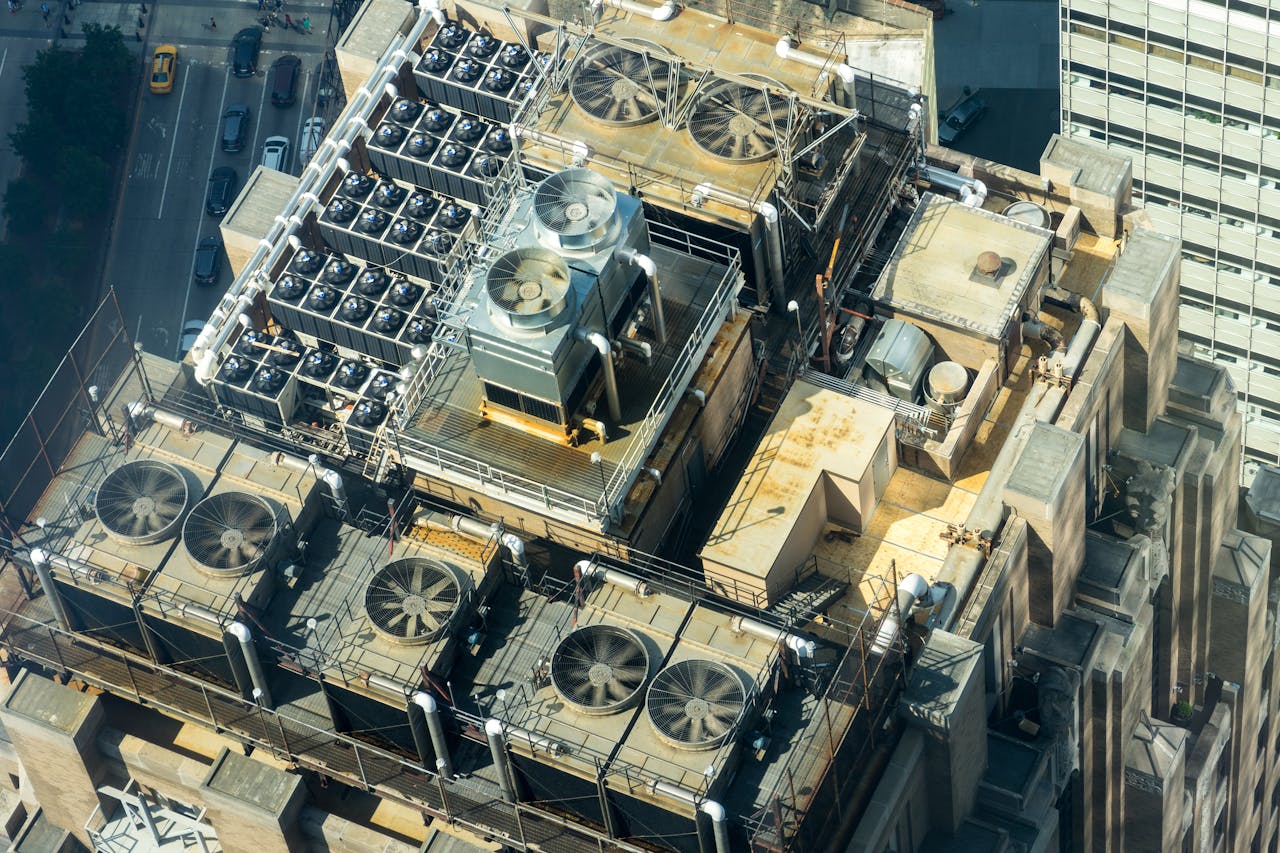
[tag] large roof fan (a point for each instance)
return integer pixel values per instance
(318, 364)
(438, 243)
(695, 704)
(419, 330)
(487, 165)
(290, 288)
(387, 321)
(405, 293)
(437, 120)
(323, 298)
(355, 310)
(373, 282)
(252, 341)
(404, 231)
(420, 145)
(469, 129)
(284, 352)
(388, 135)
(738, 123)
(499, 81)
(369, 413)
(306, 261)
(575, 210)
(269, 381)
(452, 35)
(414, 600)
(468, 70)
(405, 111)
(372, 221)
(600, 669)
(499, 142)
(381, 385)
(341, 210)
(229, 533)
(421, 205)
(453, 155)
(351, 374)
(340, 272)
(529, 287)
(436, 61)
(453, 217)
(141, 502)
(388, 195)
(483, 46)
(236, 369)
(357, 185)
(514, 56)
(619, 86)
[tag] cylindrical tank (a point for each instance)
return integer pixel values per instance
(1028, 212)
(946, 386)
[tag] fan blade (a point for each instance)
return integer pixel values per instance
(597, 695)
(417, 576)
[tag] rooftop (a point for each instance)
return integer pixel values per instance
(1098, 169)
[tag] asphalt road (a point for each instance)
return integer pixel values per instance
(18, 48)
(175, 146)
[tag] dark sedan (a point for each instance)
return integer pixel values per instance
(208, 261)
(222, 189)
(961, 117)
(244, 52)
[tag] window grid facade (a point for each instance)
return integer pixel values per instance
(1191, 91)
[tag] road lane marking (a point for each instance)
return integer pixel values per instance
(177, 122)
(302, 116)
(191, 273)
(3, 57)
(254, 153)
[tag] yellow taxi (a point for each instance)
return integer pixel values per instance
(164, 65)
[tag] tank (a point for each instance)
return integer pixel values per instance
(946, 386)
(898, 359)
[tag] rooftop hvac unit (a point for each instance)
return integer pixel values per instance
(437, 121)
(405, 111)
(432, 71)
(738, 123)
(350, 378)
(416, 600)
(417, 331)
(363, 423)
(404, 295)
(350, 318)
(251, 343)
(142, 502)
(232, 379)
(695, 704)
(285, 352)
(315, 372)
(229, 534)
(405, 232)
(621, 87)
(600, 669)
(272, 394)
(483, 46)
(285, 298)
(470, 130)
(522, 335)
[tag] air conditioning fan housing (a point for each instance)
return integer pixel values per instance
(696, 704)
(600, 669)
(416, 600)
(522, 334)
(142, 502)
(230, 534)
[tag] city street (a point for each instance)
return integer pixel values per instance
(175, 146)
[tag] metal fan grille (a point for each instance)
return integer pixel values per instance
(620, 87)
(600, 669)
(141, 502)
(694, 704)
(575, 208)
(412, 601)
(228, 533)
(530, 285)
(738, 123)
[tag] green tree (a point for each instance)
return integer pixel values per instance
(86, 183)
(26, 205)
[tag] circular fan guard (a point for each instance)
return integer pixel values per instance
(600, 669)
(737, 123)
(530, 287)
(575, 210)
(141, 502)
(229, 533)
(414, 600)
(620, 87)
(695, 704)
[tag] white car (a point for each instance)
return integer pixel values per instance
(275, 153)
(190, 331)
(312, 136)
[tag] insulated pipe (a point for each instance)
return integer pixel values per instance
(1043, 331)
(772, 230)
(270, 248)
(498, 749)
(474, 527)
(140, 410)
(597, 428)
(592, 570)
(601, 343)
(534, 741)
(241, 632)
(719, 824)
(654, 473)
(946, 179)
(1062, 296)
(650, 269)
(435, 729)
(40, 562)
(803, 646)
(787, 50)
(912, 590)
(640, 348)
(311, 465)
(665, 12)
(697, 394)
(974, 194)
(195, 611)
(581, 152)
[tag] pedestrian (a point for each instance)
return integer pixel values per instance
(288, 22)
(306, 24)
(44, 11)
(261, 5)
(213, 25)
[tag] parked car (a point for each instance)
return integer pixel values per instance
(235, 127)
(244, 52)
(222, 189)
(187, 339)
(275, 153)
(208, 261)
(312, 136)
(961, 117)
(283, 81)
(164, 66)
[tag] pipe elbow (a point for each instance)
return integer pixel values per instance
(916, 584)
(493, 728)
(655, 474)
(713, 810)
(332, 479)
(585, 569)
(515, 545)
(666, 11)
(600, 342)
(783, 47)
(39, 557)
(426, 702)
(846, 73)
(768, 213)
(699, 395)
(240, 631)
(1088, 310)
(700, 194)
(204, 368)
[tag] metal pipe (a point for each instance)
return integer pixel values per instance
(40, 562)
(241, 632)
(594, 571)
(654, 473)
(697, 394)
(601, 343)
(786, 49)
(1043, 331)
(534, 741)
(311, 465)
(719, 824)
(772, 230)
(665, 12)
(597, 428)
(271, 247)
(426, 704)
(650, 269)
(580, 150)
(498, 749)
(945, 179)
(141, 410)
(195, 611)
(474, 527)
(803, 646)
(640, 348)
(974, 194)
(912, 590)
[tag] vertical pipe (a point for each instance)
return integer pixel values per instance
(603, 347)
(241, 632)
(40, 562)
(650, 269)
(501, 762)
(719, 824)
(426, 703)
